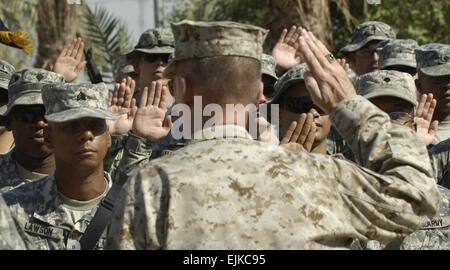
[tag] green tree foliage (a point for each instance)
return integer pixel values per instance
(243, 11)
(425, 21)
(108, 36)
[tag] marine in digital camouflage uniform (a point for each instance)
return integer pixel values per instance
(232, 192)
(433, 67)
(361, 50)
(49, 218)
(25, 93)
(9, 237)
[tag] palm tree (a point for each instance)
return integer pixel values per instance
(313, 15)
(108, 37)
(55, 29)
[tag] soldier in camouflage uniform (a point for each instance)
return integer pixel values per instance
(398, 54)
(9, 237)
(433, 67)
(55, 211)
(149, 59)
(30, 159)
(6, 137)
(268, 76)
(227, 191)
(440, 160)
(362, 54)
(361, 51)
(394, 92)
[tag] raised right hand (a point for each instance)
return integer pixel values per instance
(151, 121)
(301, 134)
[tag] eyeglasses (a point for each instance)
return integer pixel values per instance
(153, 57)
(302, 105)
(401, 118)
(28, 114)
(269, 90)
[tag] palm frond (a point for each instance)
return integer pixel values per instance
(108, 36)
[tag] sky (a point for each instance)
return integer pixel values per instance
(138, 15)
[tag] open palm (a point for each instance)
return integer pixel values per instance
(122, 104)
(69, 62)
(151, 121)
(285, 51)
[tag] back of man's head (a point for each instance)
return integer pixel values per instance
(219, 60)
(223, 79)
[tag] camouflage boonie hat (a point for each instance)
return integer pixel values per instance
(25, 88)
(268, 65)
(292, 76)
(69, 101)
(390, 83)
(6, 71)
(433, 59)
(208, 39)
(397, 52)
(155, 41)
(366, 32)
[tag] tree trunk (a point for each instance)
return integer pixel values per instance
(54, 28)
(313, 15)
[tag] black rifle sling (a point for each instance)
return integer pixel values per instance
(101, 219)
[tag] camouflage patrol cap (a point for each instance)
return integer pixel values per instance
(433, 59)
(366, 32)
(6, 71)
(292, 76)
(268, 65)
(155, 41)
(208, 39)
(397, 52)
(390, 83)
(70, 101)
(25, 87)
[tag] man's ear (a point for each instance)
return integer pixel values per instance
(187, 91)
(260, 94)
(48, 139)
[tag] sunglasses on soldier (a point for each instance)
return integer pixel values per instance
(153, 57)
(302, 105)
(28, 114)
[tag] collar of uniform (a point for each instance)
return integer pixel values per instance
(50, 206)
(220, 132)
(48, 203)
